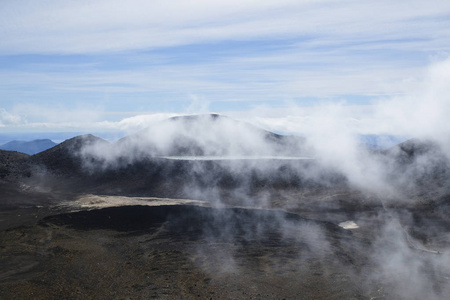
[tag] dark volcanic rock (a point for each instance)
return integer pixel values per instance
(191, 222)
(190, 252)
(15, 172)
(12, 164)
(177, 252)
(65, 158)
(419, 167)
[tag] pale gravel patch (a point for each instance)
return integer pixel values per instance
(103, 201)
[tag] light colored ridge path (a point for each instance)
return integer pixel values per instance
(416, 246)
(409, 240)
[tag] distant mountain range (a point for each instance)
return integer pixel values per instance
(28, 147)
(138, 164)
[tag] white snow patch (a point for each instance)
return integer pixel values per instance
(348, 225)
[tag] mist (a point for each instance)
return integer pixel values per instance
(227, 149)
(298, 189)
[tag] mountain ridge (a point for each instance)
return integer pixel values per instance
(29, 147)
(211, 135)
(136, 165)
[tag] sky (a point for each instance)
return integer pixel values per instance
(372, 67)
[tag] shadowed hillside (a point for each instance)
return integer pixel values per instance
(12, 164)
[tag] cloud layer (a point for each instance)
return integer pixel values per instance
(151, 57)
(86, 26)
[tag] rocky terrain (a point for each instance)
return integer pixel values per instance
(93, 219)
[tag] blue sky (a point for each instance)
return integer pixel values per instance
(121, 65)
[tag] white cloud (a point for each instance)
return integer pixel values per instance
(423, 112)
(133, 124)
(7, 118)
(86, 26)
(57, 113)
(335, 49)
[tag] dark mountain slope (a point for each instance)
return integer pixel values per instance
(70, 168)
(412, 149)
(15, 172)
(12, 164)
(420, 167)
(136, 165)
(31, 147)
(65, 158)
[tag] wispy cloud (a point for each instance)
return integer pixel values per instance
(86, 26)
(423, 112)
(234, 55)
